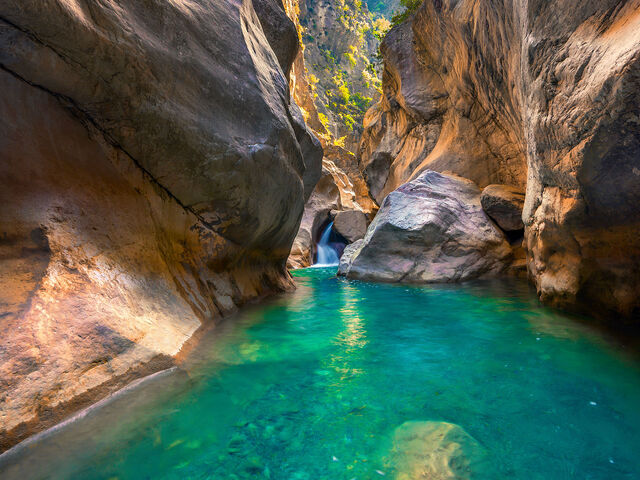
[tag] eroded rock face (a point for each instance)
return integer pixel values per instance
(438, 111)
(526, 93)
(504, 204)
(153, 176)
(581, 211)
(432, 229)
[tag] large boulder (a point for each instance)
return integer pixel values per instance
(153, 176)
(504, 204)
(432, 229)
(347, 255)
(351, 224)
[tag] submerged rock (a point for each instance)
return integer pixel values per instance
(434, 451)
(504, 204)
(432, 229)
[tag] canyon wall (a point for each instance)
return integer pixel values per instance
(314, 77)
(154, 172)
(341, 39)
(526, 93)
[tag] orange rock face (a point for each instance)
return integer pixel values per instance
(153, 176)
(535, 94)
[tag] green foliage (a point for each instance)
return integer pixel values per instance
(348, 76)
(351, 58)
(410, 7)
(324, 120)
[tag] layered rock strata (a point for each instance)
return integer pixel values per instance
(154, 172)
(535, 94)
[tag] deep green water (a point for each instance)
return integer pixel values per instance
(313, 385)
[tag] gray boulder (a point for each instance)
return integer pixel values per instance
(351, 224)
(504, 204)
(348, 253)
(432, 229)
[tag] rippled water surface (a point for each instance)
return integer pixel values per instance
(326, 382)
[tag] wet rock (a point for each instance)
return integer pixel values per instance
(351, 224)
(504, 204)
(334, 193)
(432, 229)
(434, 451)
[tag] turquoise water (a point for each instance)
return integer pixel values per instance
(317, 384)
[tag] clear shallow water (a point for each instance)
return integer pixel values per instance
(314, 385)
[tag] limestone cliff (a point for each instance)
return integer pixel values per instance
(535, 93)
(154, 172)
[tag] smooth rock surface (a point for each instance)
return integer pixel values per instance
(432, 229)
(351, 224)
(428, 450)
(153, 175)
(504, 204)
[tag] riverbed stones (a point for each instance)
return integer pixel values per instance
(431, 229)
(351, 224)
(427, 450)
(504, 204)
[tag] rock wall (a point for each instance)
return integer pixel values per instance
(526, 92)
(154, 172)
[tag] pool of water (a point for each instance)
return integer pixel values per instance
(352, 380)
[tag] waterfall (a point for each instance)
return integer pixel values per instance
(326, 255)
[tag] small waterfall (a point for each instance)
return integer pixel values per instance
(326, 255)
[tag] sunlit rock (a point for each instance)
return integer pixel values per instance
(432, 229)
(537, 94)
(434, 451)
(154, 171)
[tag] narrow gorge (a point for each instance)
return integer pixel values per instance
(319, 239)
